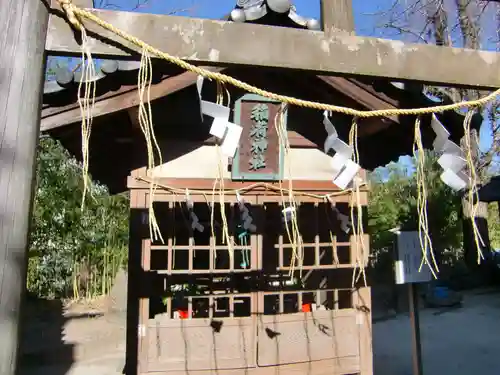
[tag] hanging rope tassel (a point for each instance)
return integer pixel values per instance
(473, 194)
(145, 117)
(292, 228)
(357, 225)
(423, 223)
(226, 238)
(86, 104)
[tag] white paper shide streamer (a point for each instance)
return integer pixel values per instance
(226, 131)
(344, 168)
(195, 222)
(345, 222)
(245, 215)
(452, 159)
(288, 214)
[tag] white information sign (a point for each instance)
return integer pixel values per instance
(409, 258)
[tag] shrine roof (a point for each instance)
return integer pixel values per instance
(174, 92)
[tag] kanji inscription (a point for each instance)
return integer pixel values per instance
(258, 133)
(260, 155)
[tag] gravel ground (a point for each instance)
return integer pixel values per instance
(462, 341)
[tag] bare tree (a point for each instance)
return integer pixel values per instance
(450, 23)
(172, 7)
(131, 5)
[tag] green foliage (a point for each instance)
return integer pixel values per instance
(73, 251)
(393, 203)
(494, 224)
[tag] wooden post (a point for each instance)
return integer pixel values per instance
(337, 16)
(23, 28)
(415, 329)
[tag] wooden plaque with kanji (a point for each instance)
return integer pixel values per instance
(260, 154)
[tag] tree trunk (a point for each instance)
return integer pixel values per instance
(23, 27)
(469, 29)
(438, 18)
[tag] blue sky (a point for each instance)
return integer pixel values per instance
(217, 8)
(366, 13)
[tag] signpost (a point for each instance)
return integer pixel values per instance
(408, 259)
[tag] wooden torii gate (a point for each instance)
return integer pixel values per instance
(29, 29)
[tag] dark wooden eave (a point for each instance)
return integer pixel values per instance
(174, 98)
(491, 191)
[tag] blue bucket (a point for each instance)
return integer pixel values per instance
(441, 292)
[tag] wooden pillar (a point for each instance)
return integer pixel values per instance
(23, 28)
(337, 16)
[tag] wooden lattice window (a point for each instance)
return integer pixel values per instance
(291, 302)
(189, 250)
(201, 278)
(322, 244)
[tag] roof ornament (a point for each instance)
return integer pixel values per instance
(279, 6)
(249, 3)
(311, 23)
(398, 85)
(252, 10)
(248, 10)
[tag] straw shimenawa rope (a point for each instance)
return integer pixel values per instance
(249, 188)
(75, 16)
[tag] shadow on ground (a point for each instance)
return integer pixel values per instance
(42, 334)
(67, 341)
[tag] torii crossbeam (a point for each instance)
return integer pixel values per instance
(212, 42)
(24, 42)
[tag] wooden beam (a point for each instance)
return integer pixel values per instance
(23, 27)
(213, 42)
(337, 16)
(84, 3)
(353, 91)
(321, 187)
